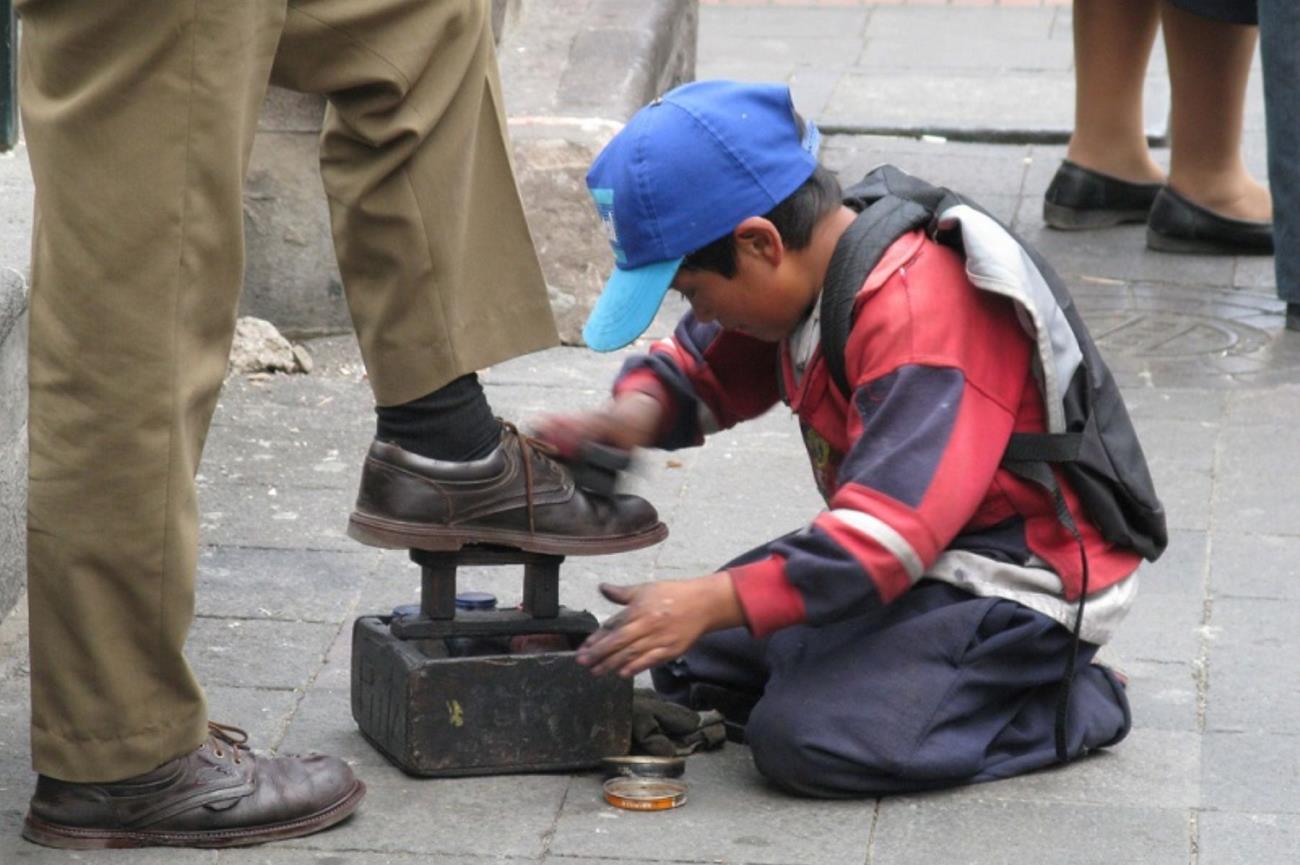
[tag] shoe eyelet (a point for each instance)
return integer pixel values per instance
(218, 754)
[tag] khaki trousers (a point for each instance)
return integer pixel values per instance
(139, 116)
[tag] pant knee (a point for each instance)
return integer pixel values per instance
(784, 753)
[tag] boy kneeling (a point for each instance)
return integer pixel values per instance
(917, 633)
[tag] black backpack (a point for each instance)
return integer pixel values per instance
(1090, 436)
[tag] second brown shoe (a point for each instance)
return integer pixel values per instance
(220, 795)
(518, 496)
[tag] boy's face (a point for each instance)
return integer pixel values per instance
(765, 299)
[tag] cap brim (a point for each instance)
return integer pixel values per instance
(628, 304)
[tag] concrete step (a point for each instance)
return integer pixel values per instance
(573, 72)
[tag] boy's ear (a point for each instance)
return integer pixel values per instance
(757, 236)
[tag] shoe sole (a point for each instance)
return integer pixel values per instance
(80, 838)
(1077, 219)
(1191, 246)
(397, 535)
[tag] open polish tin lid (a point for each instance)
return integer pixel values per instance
(645, 794)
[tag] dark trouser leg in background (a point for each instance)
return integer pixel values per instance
(1279, 39)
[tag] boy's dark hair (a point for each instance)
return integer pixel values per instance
(794, 218)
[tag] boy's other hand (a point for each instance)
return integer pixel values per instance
(629, 422)
(659, 622)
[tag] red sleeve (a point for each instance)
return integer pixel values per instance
(706, 378)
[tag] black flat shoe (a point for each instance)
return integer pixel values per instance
(1079, 197)
(1178, 225)
(1293, 316)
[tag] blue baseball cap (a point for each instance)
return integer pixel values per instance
(685, 171)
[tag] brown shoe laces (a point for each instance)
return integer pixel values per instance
(527, 447)
(234, 737)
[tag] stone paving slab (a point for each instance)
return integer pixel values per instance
(1163, 695)
(1254, 273)
(264, 713)
(1253, 667)
(917, 102)
(1251, 773)
(304, 856)
(15, 851)
(1184, 483)
(1276, 406)
(1164, 628)
(1150, 769)
(998, 73)
(1182, 568)
(504, 816)
(731, 816)
(257, 653)
(327, 456)
(923, 833)
(1250, 464)
(759, 23)
(1176, 404)
(1248, 839)
(281, 517)
(1256, 565)
(266, 584)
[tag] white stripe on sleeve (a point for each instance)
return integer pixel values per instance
(885, 535)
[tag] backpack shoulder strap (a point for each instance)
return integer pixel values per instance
(856, 254)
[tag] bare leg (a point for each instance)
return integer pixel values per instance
(1209, 64)
(1112, 44)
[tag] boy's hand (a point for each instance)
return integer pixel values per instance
(628, 422)
(661, 621)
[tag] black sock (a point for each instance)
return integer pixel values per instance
(453, 423)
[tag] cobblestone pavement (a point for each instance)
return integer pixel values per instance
(1211, 773)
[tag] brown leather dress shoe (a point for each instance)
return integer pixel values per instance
(221, 795)
(518, 496)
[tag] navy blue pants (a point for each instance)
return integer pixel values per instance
(940, 688)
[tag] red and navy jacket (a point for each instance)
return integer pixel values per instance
(909, 465)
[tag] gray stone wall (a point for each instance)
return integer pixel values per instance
(290, 275)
